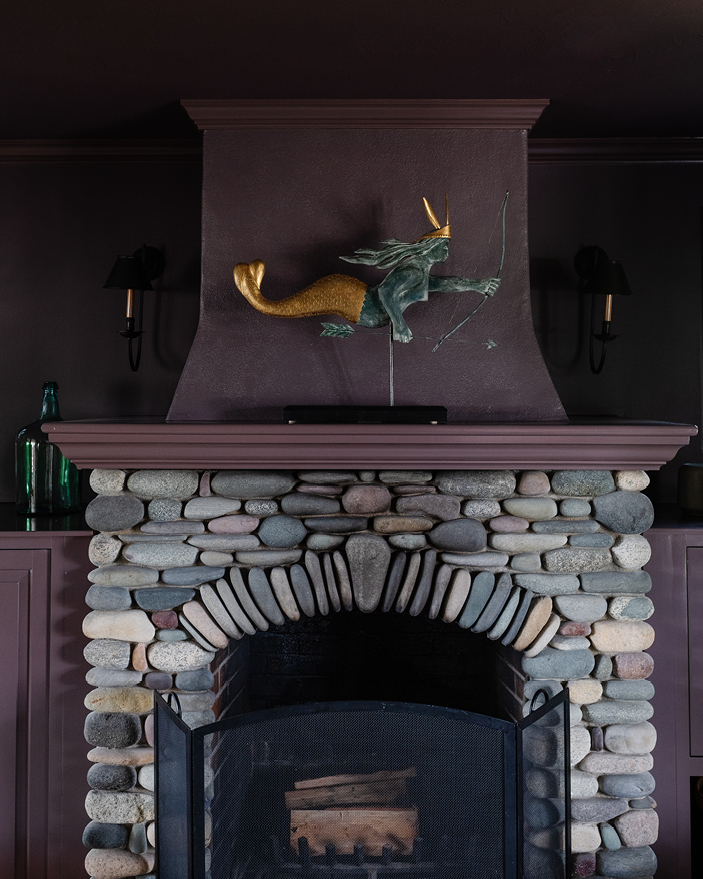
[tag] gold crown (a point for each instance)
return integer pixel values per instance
(440, 231)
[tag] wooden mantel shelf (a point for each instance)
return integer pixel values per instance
(615, 445)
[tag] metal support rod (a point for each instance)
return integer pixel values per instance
(390, 366)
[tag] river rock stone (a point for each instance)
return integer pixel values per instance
(526, 542)
(459, 535)
(533, 482)
(584, 864)
(131, 700)
(122, 625)
(102, 776)
(575, 508)
(160, 555)
(458, 593)
(441, 582)
(157, 680)
(508, 524)
(284, 594)
(189, 629)
(301, 504)
(581, 608)
(481, 509)
(640, 690)
(326, 490)
(119, 808)
(137, 837)
(237, 523)
(269, 557)
(633, 666)
(107, 653)
(122, 756)
(414, 489)
(548, 584)
(224, 543)
(302, 590)
(496, 484)
(576, 561)
(610, 838)
(394, 524)
(409, 580)
(480, 593)
(609, 711)
(585, 691)
(559, 664)
(107, 677)
(606, 763)
(627, 863)
(506, 616)
(579, 743)
(108, 598)
(159, 599)
(194, 681)
(518, 619)
(531, 508)
(103, 549)
(123, 575)
(614, 582)
(631, 551)
(613, 636)
(582, 483)
(312, 565)
(566, 526)
(637, 738)
(114, 512)
(535, 621)
(196, 614)
(638, 828)
(476, 559)
(408, 541)
(592, 540)
(191, 576)
(544, 637)
(631, 480)
(112, 729)
(216, 559)
(178, 657)
(246, 484)
(584, 837)
(598, 809)
(395, 577)
(395, 477)
(261, 508)
(439, 506)
(631, 608)
(571, 628)
(331, 583)
(114, 864)
(627, 512)
(495, 604)
(345, 587)
(337, 524)
(164, 510)
(369, 557)
(174, 634)
(210, 507)
(107, 481)
(282, 532)
(366, 499)
(569, 642)
(367, 475)
(583, 785)
(327, 477)
(322, 542)
(176, 484)
(100, 835)
(526, 562)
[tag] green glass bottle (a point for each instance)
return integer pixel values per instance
(45, 481)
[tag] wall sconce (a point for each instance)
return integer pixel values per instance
(603, 277)
(131, 273)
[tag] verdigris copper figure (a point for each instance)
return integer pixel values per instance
(408, 281)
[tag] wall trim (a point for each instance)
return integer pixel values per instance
(614, 150)
(60, 151)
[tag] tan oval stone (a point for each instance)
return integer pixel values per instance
(544, 637)
(132, 700)
(584, 837)
(119, 808)
(139, 660)
(585, 691)
(401, 524)
(196, 614)
(117, 864)
(107, 481)
(457, 595)
(537, 618)
(620, 636)
(122, 756)
(120, 625)
(631, 480)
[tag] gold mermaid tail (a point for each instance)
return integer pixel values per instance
(334, 294)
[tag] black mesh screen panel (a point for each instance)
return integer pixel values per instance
(172, 793)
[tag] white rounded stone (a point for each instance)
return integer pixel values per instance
(584, 837)
(146, 777)
(583, 785)
(575, 714)
(120, 625)
(638, 827)
(544, 637)
(631, 480)
(139, 756)
(585, 691)
(107, 481)
(631, 551)
(216, 559)
(178, 656)
(117, 863)
(607, 763)
(151, 832)
(119, 808)
(210, 507)
(580, 743)
(621, 636)
(635, 738)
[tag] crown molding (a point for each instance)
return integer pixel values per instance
(614, 150)
(232, 115)
(61, 151)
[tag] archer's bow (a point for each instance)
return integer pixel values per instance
(485, 296)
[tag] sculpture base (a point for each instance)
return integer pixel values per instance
(365, 414)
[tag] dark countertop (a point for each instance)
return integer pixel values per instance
(10, 521)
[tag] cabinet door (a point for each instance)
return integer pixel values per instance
(24, 594)
(695, 651)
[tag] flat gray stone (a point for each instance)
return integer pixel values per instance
(312, 565)
(162, 599)
(302, 590)
(102, 776)
(123, 575)
(580, 608)
(245, 484)
(609, 711)
(210, 507)
(559, 665)
(325, 490)
(337, 524)
(195, 681)
(158, 680)
(459, 535)
(331, 583)
(100, 835)
(616, 581)
(269, 557)
(519, 618)
(395, 578)
(479, 596)
(643, 803)
(495, 484)
(137, 838)
(228, 614)
(134, 537)
(625, 607)
(629, 690)
(263, 596)
(246, 601)
(476, 559)
(409, 580)
(422, 591)
(367, 475)
(573, 560)
(527, 542)
(114, 512)
(495, 604)
(108, 653)
(177, 528)
(369, 557)
(108, 729)
(179, 484)
(171, 635)
(532, 508)
(408, 541)
(603, 668)
(300, 504)
(526, 562)
(322, 542)
(582, 483)
(439, 506)
(627, 512)
(281, 532)
(398, 477)
(627, 863)
(225, 542)
(366, 499)
(444, 575)
(343, 580)
(107, 677)
(108, 598)
(327, 477)
(575, 508)
(499, 628)
(164, 510)
(609, 837)
(548, 584)
(592, 540)
(596, 809)
(261, 508)
(566, 526)
(390, 524)
(182, 656)
(160, 555)
(191, 576)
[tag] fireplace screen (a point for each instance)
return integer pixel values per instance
(363, 790)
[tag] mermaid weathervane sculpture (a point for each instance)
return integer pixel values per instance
(408, 281)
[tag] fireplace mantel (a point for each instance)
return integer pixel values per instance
(613, 445)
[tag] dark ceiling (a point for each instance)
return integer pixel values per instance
(87, 69)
